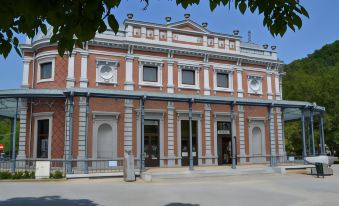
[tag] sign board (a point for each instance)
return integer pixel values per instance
(184, 154)
(42, 169)
(291, 158)
(223, 132)
(112, 163)
(2, 147)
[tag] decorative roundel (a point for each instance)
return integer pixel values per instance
(106, 72)
(255, 85)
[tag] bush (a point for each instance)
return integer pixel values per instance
(57, 175)
(17, 175)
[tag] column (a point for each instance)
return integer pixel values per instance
(22, 131)
(69, 134)
(277, 86)
(170, 84)
(271, 136)
(269, 85)
(13, 130)
(233, 137)
(70, 74)
(303, 135)
(241, 113)
(280, 133)
(312, 131)
(207, 89)
(129, 73)
(170, 138)
(321, 131)
(83, 77)
(190, 134)
(239, 80)
(208, 160)
(25, 72)
(142, 134)
(128, 120)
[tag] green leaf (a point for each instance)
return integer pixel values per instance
(242, 7)
(43, 28)
(113, 23)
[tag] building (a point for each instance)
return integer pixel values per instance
(180, 80)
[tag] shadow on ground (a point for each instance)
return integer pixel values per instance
(46, 200)
(181, 204)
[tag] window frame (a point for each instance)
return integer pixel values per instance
(44, 61)
(150, 63)
(156, 73)
(229, 72)
(196, 69)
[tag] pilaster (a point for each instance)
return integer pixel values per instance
(208, 143)
(22, 130)
(170, 131)
(241, 114)
(128, 125)
(70, 81)
(129, 85)
(83, 77)
(207, 89)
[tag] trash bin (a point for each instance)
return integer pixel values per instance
(320, 169)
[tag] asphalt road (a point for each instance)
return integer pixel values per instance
(260, 190)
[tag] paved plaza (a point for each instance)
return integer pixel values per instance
(269, 189)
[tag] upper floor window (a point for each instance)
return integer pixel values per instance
(150, 73)
(223, 79)
(45, 69)
(188, 76)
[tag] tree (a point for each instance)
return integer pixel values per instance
(77, 21)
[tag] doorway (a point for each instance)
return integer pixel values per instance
(224, 142)
(151, 143)
(185, 142)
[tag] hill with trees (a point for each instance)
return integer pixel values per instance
(315, 79)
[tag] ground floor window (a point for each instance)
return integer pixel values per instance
(185, 142)
(42, 138)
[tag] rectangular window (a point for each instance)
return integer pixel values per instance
(232, 45)
(163, 35)
(222, 80)
(150, 74)
(46, 70)
(42, 138)
(188, 77)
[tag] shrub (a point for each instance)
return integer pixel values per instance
(57, 175)
(5, 175)
(17, 175)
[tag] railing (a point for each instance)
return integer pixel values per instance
(268, 160)
(67, 166)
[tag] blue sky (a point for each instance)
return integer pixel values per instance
(322, 28)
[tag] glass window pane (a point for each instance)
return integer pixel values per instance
(46, 70)
(188, 77)
(150, 74)
(222, 80)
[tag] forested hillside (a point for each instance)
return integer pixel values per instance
(315, 79)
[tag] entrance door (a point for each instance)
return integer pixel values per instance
(185, 143)
(224, 143)
(151, 143)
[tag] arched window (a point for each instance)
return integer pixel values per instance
(105, 142)
(257, 141)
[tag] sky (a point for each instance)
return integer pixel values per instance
(321, 28)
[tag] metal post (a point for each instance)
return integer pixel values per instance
(272, 162)
(190, 130)
(321, 131)
(86, 135)
(142, 122)
(14, 135)
(312, 132)
(70, 133)
(303, 132)
(233, 137)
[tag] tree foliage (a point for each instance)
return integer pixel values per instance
(315, 79)
(77, 21)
